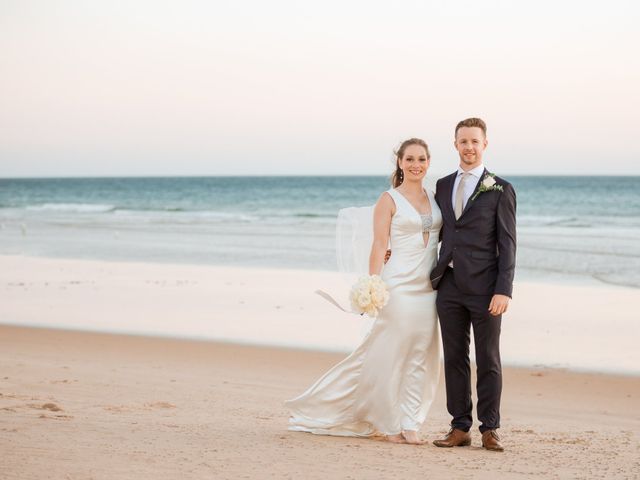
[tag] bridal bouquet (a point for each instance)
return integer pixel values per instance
(369, 295)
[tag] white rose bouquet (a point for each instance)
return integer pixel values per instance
(369, 295)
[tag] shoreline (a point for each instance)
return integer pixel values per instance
(207, 343)
(99, 405)
(580, 328)
(298, 349)
(523, 274)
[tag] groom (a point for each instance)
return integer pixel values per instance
(474, 278)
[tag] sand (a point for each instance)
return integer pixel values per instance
(78, 405)
(81, 404)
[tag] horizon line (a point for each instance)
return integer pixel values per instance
(321, 175)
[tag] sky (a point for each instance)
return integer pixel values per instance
(137, 88)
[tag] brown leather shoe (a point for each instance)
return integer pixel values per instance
(491, 441)
(455, 438)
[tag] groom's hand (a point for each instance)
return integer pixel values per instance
(499, 304)
(387, 256)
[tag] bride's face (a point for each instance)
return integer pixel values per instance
(414, 163)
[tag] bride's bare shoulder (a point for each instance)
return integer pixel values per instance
(386, 203)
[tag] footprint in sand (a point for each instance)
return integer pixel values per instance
(131, 408)
(160, 405)
(50, 406)
(117, 408)
(18, 397)
(47, 406)
(56, 417)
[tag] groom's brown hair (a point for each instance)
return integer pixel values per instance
(471, 122)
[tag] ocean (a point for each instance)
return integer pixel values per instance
(570, 229)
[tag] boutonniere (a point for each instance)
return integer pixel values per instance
(488, 185)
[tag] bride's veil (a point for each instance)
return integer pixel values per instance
(354, 237)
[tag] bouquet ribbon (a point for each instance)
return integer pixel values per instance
(333, 301)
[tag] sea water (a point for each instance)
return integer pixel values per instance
(570, 229)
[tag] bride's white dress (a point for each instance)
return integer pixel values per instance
(389, 381)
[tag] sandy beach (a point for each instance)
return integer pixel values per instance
(136, 404)
(77, 405)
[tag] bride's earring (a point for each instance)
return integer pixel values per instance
(401, 175)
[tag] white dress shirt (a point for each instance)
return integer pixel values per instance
(469, 186)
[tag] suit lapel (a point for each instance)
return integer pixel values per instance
(470, 202)
(448, 191)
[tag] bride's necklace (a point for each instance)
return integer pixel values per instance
(427, 222)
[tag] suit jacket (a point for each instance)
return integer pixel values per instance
(482, 242)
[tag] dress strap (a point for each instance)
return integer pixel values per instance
(395, 195)
(431, 197)
(399, 202)
(399, 199)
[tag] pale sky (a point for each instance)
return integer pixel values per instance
(117, 88)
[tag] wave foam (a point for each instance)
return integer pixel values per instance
(72, 207)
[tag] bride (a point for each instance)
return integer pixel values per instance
(386, 386)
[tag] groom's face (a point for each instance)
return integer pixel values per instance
(470, 143)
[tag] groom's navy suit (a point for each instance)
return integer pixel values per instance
(482, 246)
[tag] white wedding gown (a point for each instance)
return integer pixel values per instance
(389, 381)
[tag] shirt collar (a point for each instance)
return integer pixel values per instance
(476, 172)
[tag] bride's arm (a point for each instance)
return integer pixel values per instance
(382, 213)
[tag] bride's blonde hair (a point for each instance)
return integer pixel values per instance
(397, 176)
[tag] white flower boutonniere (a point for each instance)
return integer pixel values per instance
(488, 185)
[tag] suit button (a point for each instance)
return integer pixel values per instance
(457, 231)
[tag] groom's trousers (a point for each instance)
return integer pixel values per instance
(458, 312)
